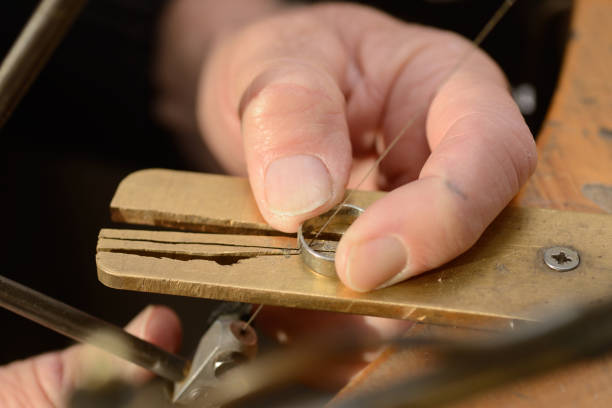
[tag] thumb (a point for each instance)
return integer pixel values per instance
(296, 144)
(274, 101)
(48, 380)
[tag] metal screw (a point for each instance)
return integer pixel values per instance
(561, 259)
(195, 393)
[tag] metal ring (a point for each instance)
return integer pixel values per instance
(321, 263)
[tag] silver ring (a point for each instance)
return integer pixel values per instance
(319, 262)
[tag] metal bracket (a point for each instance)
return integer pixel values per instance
(227, 342)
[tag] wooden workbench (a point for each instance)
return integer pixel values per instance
(574, 174)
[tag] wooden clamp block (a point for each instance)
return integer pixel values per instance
(236, 256)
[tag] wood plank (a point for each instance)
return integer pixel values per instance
(196, 202)
(500, 281)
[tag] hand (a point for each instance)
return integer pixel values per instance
(300, 101)
(49, 379)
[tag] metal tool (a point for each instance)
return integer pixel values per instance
(463, 366)
(235, 255)
(35, 45)
(227, 342)
(561, 259)
(85, 328)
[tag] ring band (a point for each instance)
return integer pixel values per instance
(319, 262)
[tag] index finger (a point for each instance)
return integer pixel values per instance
(481, 153)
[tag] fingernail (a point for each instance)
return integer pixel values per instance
(297, 184)
(376, 264)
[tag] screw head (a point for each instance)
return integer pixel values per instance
(561, 259)
(195, 393)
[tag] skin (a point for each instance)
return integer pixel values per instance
(329, 82)
(48, 380)
(321, 90)
(337, 83)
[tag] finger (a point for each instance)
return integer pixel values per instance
(156, 324)
(289, 109)
(414, 90)
(398, 79)
(49, 379)
(482, 152)
(296, 143)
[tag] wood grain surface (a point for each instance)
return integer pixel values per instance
(575, 144)
(574, 173)
(196, 202)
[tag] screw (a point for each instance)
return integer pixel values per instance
(195, 393)
(561, 259)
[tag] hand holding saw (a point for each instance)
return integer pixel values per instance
(227, 341)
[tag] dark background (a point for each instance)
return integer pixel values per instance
(86, 124)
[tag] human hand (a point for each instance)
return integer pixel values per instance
(300, 101)
(49, 379)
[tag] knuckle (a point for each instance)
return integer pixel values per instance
(291, 109)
